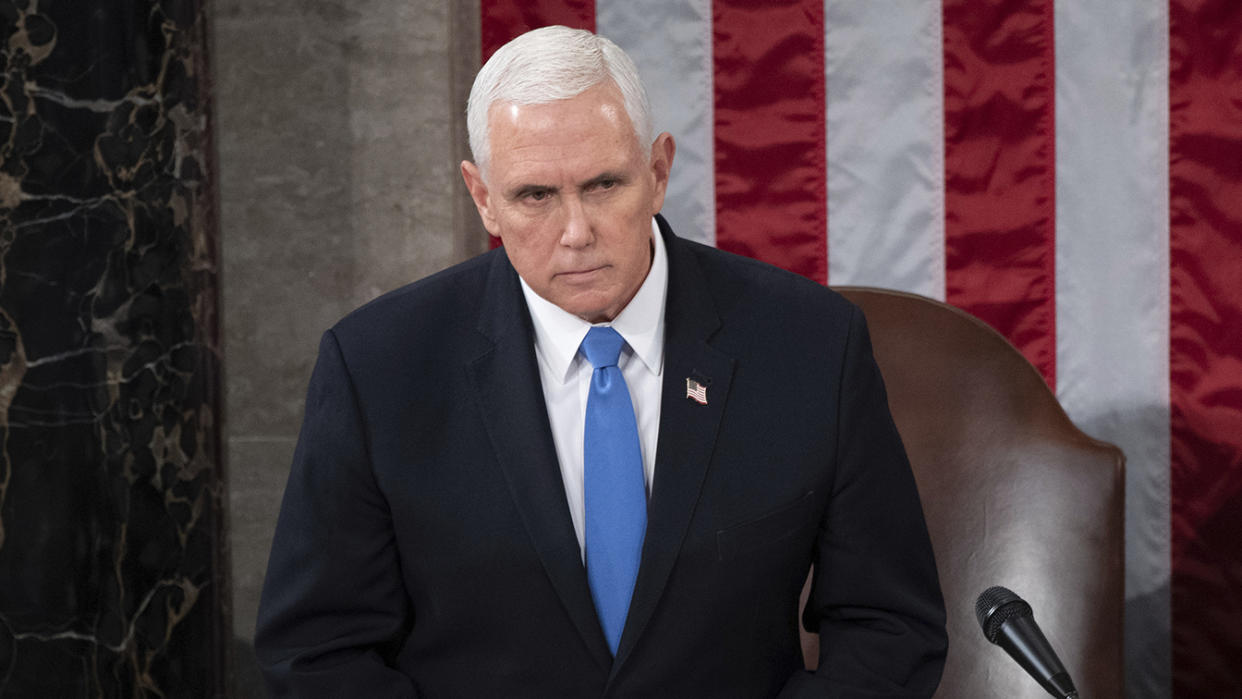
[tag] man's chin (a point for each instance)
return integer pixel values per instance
(590, 308)
(595, 314)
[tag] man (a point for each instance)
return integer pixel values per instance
(482, 505)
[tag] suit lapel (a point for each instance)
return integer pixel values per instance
(687, 431)
(506, 386)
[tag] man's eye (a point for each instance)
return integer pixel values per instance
(538, 195)
(604, 185)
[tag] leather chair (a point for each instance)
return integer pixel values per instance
(1014, 495)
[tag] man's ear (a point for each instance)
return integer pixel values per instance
(479, 193)
(662, 152)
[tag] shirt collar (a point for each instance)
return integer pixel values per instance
(558, 333)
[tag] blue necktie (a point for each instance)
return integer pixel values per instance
(616, 498)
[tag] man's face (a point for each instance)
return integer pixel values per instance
(571, 194)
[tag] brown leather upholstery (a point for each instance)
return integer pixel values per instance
(1013, 492)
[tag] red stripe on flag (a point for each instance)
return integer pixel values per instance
(502, 20)
(771, 186)
(1000, 260)
(1205, 362)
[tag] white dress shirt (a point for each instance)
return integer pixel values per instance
(566, 374)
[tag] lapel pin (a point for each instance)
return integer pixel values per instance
(696, 391)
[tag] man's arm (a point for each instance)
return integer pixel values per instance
(334, 606)
(875, 596)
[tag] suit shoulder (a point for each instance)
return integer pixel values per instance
(443, 295)
(425, 317)
(740, 282)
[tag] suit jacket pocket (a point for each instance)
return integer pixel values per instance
(770, 529)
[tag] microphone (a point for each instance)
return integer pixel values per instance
(1007, 621)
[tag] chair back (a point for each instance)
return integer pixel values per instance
(1014, 495)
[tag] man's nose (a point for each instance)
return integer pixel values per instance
(577, 231)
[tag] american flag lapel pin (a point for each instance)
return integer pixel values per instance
(696, 391)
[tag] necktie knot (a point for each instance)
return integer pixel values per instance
(602, 346)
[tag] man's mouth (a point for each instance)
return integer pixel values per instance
(580, 274)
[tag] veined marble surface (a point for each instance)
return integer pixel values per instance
(112, 567)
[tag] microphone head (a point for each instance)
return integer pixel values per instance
(995, 606)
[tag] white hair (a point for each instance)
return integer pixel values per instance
(550, 64)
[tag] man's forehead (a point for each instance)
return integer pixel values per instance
(521, 168)
(604, 100)
(583, 137)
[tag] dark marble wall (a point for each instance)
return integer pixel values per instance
(111, 488)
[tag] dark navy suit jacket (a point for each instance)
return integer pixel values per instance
(425, 548)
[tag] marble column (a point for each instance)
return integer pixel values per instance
(112, 580)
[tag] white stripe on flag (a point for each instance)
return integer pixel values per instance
(885, 102)
(1113, 284)
(671, 43)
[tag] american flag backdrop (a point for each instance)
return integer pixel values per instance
(1070, 171)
